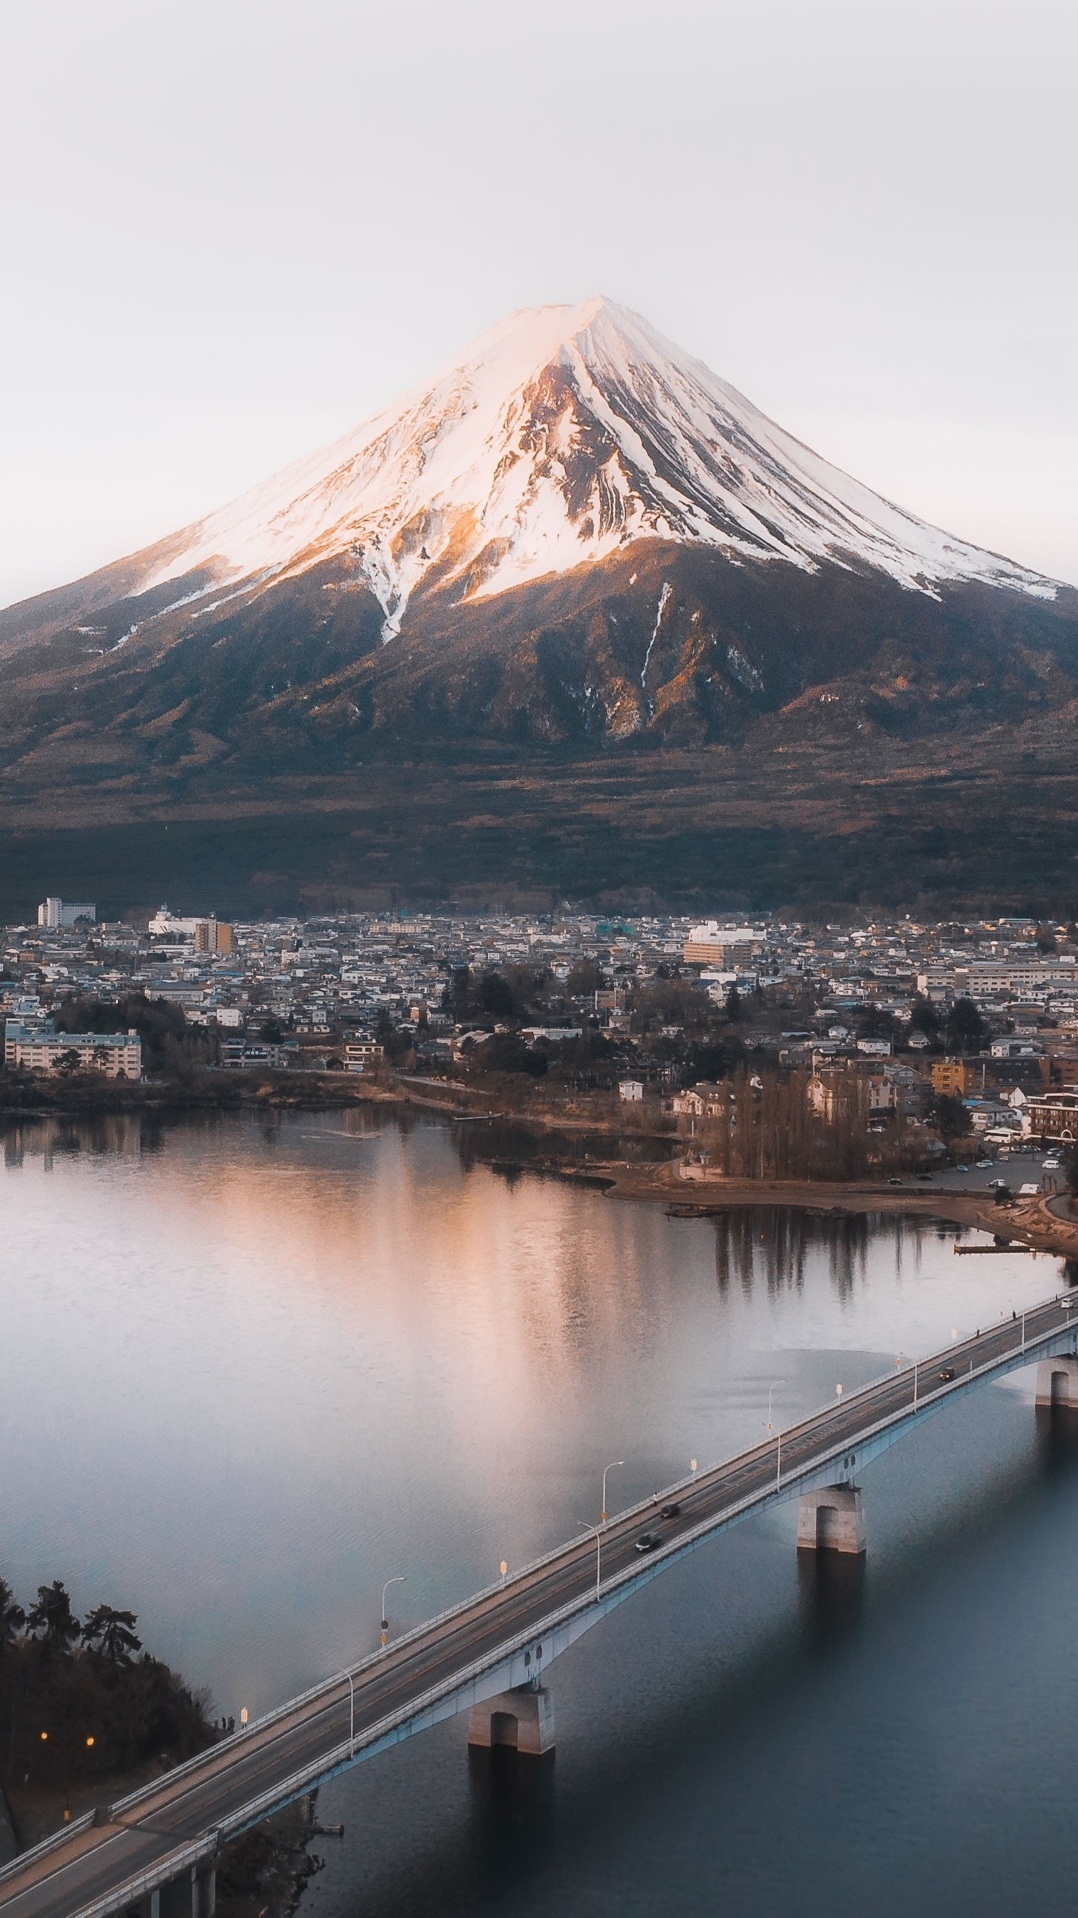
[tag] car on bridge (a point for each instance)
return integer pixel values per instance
(648, 1541)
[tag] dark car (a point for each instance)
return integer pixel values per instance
(947, 1375)
(648, 1541)
(673, 1510)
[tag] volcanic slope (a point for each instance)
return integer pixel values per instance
(575, 534)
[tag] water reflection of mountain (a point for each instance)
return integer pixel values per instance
(774, 1244)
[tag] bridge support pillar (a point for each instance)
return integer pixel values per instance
(192, 1895)
(179, 1898)
(523, 1719)
(831, 1520)
(1057, 1383)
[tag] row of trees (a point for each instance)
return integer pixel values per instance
(82, 1696)
(169, 1043)
(51, 1623)
(770, 1128)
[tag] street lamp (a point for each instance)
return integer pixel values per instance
(598, 1550)
(400, 1579)
(606, 1469)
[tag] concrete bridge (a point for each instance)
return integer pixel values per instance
(155, 1851)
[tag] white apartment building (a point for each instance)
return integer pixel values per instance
(55, 916)
(116, 1054)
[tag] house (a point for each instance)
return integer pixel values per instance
(705, 1100)
(630, 1091)
(820, 1093)
(360, 1054)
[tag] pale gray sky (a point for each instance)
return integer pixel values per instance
(231, 229)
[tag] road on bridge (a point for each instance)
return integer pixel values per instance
(63, 1879)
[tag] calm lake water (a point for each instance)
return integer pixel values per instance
(251, 1368)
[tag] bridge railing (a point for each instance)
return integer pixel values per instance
(44, 1845)
(327, 1688)
(132, 1889)
(341, 1755)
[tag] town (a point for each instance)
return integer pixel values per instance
(770, 1049)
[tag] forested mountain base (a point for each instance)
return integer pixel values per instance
(960, 825)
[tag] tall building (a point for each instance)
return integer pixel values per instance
(213, 935)
(55, 916)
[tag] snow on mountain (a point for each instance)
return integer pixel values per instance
(559, 437)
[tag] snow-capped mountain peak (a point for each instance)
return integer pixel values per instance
(562, 435)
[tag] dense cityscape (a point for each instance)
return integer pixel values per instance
(928, 1031)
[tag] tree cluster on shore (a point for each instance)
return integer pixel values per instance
(82, 1696)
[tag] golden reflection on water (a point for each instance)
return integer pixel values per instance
(252, 1366)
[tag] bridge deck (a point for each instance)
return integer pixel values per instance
(503, 1636)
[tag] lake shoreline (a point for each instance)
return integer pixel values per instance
(705, 1194)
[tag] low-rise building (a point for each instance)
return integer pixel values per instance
(951, 1078)
(361, 1054)
(36, 1049)
(1054, 1115)
(726, 947)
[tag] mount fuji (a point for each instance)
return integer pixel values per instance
(574, 537)
(560, 438)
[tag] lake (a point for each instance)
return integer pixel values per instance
(252, 1367)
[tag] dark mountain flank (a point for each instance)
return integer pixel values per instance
(576, 566)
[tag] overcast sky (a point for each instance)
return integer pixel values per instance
(231, 229)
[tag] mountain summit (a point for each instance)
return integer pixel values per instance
(575, 531)
(558, 438)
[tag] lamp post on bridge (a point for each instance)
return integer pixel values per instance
(606, 1469)
(400, 1579)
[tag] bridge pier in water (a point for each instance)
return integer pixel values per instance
(1057, 1383)
(831, 1520)
(522, 1719)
